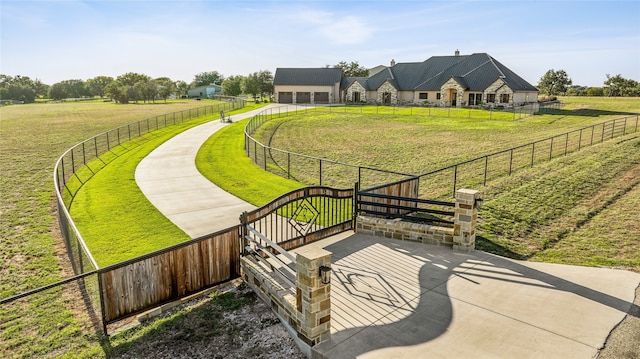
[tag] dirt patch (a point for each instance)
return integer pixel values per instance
(230, 323)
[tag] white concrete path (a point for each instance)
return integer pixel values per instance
(168, 177)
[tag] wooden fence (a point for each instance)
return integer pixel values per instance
(146, 282)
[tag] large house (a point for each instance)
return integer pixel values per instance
(458, 80)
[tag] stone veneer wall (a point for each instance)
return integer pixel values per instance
(406, 231)
(462, 237)
(387, 87)
(498, 87)
(305, 308)
(356, 87)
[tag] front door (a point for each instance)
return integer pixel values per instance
(454, 97)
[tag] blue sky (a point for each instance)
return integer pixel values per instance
(61, 40)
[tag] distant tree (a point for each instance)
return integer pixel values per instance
(116, 92)
(130, 87)
(18, 92)
(232, 86)
(619, 86)
(252, 85)
(182, 87)
(147, 90)
(97, 85)
(19, 88)
(595, 91)
(58, 91)
(166, 87)
(352, 69)
(207, 78)
(265, 77)
(554, 82)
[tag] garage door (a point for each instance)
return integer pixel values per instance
(285, 97)
(303, 97)
(321, 97)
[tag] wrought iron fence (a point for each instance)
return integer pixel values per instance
(440, 183)
(89, 285)
(81, 162)
(476, 172)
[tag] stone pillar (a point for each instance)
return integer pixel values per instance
(313, 300)
(465, 219)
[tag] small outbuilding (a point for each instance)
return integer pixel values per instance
(205, 91)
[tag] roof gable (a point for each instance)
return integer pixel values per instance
(307, 76)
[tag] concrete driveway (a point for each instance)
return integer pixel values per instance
(399, 299)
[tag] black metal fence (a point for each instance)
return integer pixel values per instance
(81, 162)
(76, 166)
(439, 183)
(477, 172)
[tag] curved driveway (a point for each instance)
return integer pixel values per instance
(168, 177)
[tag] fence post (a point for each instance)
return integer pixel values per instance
(465, 219)
(455, 178)
(486, 164)
(313, 294)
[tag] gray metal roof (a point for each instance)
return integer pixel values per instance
(475, 72)
(307, 76)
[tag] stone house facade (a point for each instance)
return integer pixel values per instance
(457, 81)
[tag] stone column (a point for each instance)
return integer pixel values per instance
(465, 219)
(313, 300)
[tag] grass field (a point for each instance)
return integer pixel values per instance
(574, 213)
(414, 143)
(32, 137)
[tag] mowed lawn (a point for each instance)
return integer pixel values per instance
(418, 144)
(32, 137)
(31, 142)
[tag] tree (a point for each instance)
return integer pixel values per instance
(207, 78)
(124, 88)
(554, 82)
(595, 91)
(182, 87)
(352, 69)
(19, 88)
(232, 86)
(166, 87)
(97, 85)
(619, 86)
(252, 85)
(265, 77)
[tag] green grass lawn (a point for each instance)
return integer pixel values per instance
(567, 210)
(32, 137)
(407, 143)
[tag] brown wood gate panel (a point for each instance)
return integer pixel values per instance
(285, 97)
(303, 97)
(146, 282)
(321, 97)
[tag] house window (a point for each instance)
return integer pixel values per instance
(438, 96)
(475, 98)
(423, 95)
(504, 98)
(491, 97)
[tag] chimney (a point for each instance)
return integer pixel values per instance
(393, 62)
(457, 53)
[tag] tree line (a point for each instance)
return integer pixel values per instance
(135, 87)
(555, 83)
(132, 87)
